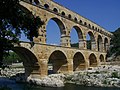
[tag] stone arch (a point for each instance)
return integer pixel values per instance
(99, 43)
(89, 26)
(101, 58)
(85, 23)
(81, 22)
(58, 62)
(46, 6)
(55, 10)
(79, 34)
(96, 28)
(93, 27)
(36, 2)
(91, 43)
(69, 16)
(92, 60)
(63, 13)
(59, 23)
(75, 19)
(30, 62)
(106, 44)
(61, 27)
(79, 62)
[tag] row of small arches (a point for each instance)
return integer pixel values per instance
(46, 6)
(79, 60)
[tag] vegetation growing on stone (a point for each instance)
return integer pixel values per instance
(115, 43)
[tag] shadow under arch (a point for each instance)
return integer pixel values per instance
(57, 62)
(101, 58)
(92, 60)
(29, 60)
(79, 62)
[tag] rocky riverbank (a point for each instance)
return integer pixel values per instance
(54, 80)
(103, 76)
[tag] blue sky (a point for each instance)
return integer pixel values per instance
(105, 13)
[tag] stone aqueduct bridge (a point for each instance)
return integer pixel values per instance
(64, 58)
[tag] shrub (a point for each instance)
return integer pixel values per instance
(115, 75)
(105, 82)
(97, 72)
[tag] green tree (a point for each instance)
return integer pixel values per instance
(89, 44)
(115, 43)
(12, 58)
(75, 45)
(14, 19)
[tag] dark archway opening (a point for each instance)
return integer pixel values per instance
(101, 58)
(35, 2)
(78, 62)
(46, 6)
(63, 13)
(55, 10)
(29, 60)
(92, 60)
(57, 63)
(69, 16)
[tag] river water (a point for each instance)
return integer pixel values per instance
(12, 85)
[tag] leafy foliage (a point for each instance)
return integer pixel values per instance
(75, 45)
(14, 19)
(115, 43)
(89, 44)
(115, 75)
(12, 58)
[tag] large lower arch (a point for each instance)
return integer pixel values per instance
(79, 37)
(92, 60)
(30, 62)
(91, 42)
(55, 36)
(78, 62)
(99, 43)
(57, 62)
